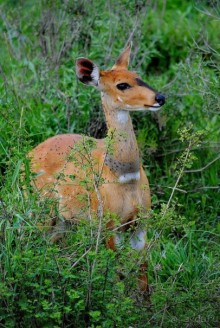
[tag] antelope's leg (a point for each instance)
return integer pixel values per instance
(115, 241)
(58, 230)
(138, 242)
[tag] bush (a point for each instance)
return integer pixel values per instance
(74, 283)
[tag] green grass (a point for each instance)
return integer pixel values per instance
(176, 49)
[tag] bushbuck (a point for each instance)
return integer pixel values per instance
(120, 183)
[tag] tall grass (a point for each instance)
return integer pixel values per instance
(176, 50)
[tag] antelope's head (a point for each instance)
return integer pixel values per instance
(124, 89)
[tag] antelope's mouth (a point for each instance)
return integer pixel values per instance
(154, 108)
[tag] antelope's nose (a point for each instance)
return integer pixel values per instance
(160, 99)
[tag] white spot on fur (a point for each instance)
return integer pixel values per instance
(122, 116)
(128, 177)
(138, 240)
(119, 99)
(41, 172)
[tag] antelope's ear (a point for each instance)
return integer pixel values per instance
(87, 71)
(123, 60)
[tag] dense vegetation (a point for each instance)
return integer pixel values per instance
(74, 283)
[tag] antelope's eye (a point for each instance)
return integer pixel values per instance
(123, 86)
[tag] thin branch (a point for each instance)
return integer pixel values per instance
(204, 188)
(202, 146)
(178, 179)
(81, 257)
(203, 168)
(207, 13)
(126, 223)
(178, 189)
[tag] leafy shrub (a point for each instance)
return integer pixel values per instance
(74, 283)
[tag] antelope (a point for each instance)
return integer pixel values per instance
(124, 188)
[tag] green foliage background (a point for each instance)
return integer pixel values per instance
(176, 49)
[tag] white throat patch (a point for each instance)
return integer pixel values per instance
(122, 116)
(128, 177)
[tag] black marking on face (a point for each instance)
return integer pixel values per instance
(143, 84)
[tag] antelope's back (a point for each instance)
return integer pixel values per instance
(50, 160)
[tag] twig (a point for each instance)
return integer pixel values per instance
(178, 179)
(81, 257)
(127, 223)
(178, 189)
(202, 146)
(204, 167)
(206, 187)
(208, 13)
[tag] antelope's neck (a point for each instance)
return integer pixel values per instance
(123, 157)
